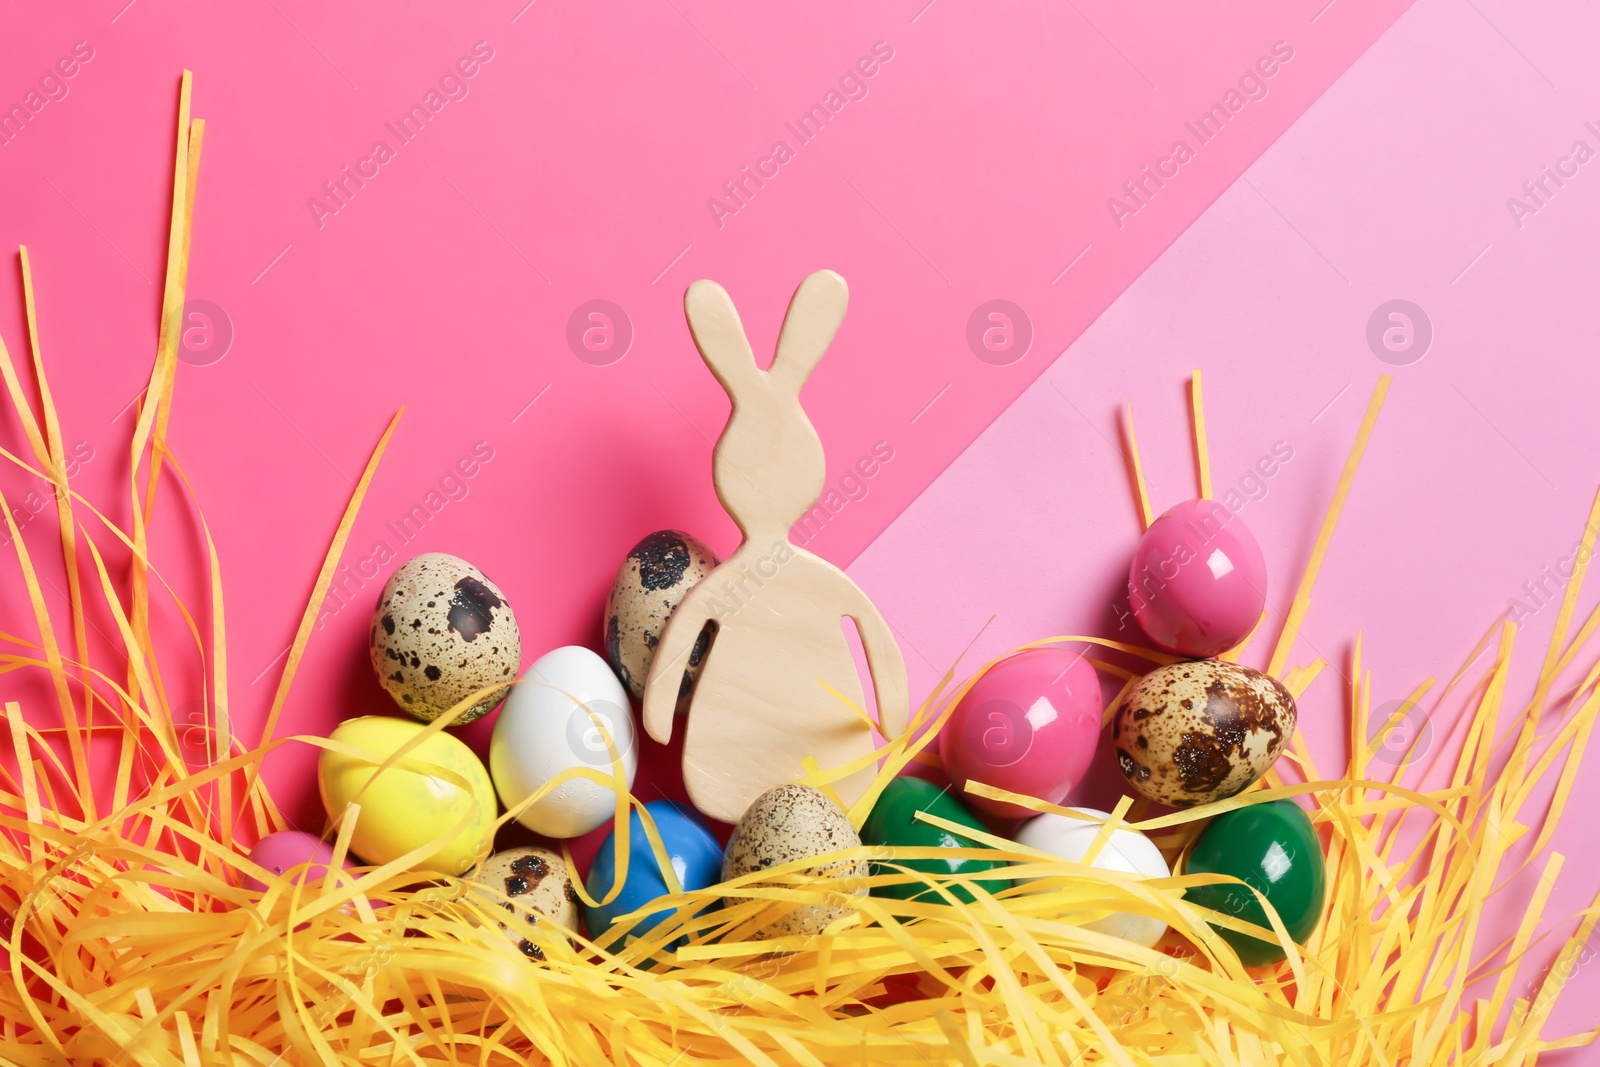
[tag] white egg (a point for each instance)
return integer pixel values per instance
(559, 716)
(1127, 851)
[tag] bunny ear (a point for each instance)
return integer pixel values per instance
(719, 335)
(813, 318)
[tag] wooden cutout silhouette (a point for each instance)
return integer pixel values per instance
(759, 707)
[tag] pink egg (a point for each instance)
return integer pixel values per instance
(1028, 725)
(287, 849)
(1198, 583)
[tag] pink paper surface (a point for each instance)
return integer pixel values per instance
(578, 166)
(1483, 465)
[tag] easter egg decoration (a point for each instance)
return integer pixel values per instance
(568, 711)
(789, 823)
(307, 856)
(653, 580)
(1028, 725)
(694, 854)
(1273, 848)
(893, 824)
(763, 704)
(412, 802)
(1198, 582)
(1126, 851)
(443, 631)
(533, 881)
(1200, 730)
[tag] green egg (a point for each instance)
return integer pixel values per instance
(893, 823)
(1273, 848)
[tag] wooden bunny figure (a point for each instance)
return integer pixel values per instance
(760, 707)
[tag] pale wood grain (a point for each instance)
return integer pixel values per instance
(760, 707)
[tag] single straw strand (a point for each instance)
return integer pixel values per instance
(319, 588)
(1202, 453)
(1136, 469)
(1308, 579)
(160, 377)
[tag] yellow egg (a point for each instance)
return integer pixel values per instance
(406, 806)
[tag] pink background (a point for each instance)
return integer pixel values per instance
(1483, 465)
(977, 167)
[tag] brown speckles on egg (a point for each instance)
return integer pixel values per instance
(1202, 762)
(789, 823)
(472, 607)
(532, 867)
(542, 888)
(652, 582)
(1201, 730)
(663, 557)
(429, 617)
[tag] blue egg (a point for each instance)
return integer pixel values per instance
(696, 860)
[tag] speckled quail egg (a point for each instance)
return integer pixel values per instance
(442, 631)
(788, 823)
(653, 580)
(538, 884)
(1200, 730)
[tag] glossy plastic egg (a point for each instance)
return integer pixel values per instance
(652, 582)
(562, 715)
(1028, 725)
(410, 803)
(1273, 848)
(695, 856)
(533, 881)
(1200, 730)
(893, 824)
(287, 850)
(1198, 582)
(789, 823)
(441, 632)
(1127, 851)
